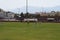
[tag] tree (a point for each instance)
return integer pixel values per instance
(57, 16)
(15, 16)
(27, 15)
(38, 16)
(22, 16)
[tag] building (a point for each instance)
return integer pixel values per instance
(10, 15)
(2, 13)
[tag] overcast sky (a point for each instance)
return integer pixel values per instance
(12, 4)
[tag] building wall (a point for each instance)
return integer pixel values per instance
(6, 15)
(2, 14)
(10, 15)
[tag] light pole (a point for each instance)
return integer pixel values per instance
(26, 6)
(27, 11)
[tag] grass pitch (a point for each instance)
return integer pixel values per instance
(31, 31)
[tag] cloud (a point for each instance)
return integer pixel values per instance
(11, 4)
(44, 3)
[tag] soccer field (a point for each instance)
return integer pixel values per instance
(31, 31)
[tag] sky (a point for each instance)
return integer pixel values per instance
(12, 4)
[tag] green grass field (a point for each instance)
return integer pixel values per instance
(31, 31)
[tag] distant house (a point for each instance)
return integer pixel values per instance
(4, 14)
(10, 15)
